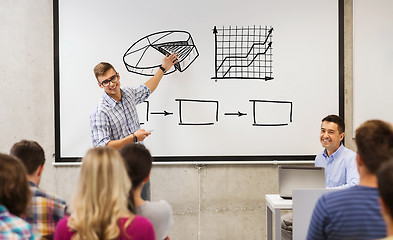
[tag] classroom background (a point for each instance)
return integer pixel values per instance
(209, 201)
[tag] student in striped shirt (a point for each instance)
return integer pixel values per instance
(385, 183)
(354, 213)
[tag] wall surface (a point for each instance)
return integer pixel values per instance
(209, 202)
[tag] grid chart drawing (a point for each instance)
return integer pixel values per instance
(243, 53)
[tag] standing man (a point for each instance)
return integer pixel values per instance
(354, 213)
(114, 121)
(339, 162)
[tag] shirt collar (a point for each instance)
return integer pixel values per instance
(335, 154)
(32, 184)
(110, 101)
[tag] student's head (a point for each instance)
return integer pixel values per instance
(138, 162)
(332, 132)
(30, 153)
(14, 188)
(385, 183)
(101, 195)
(107, 77)
(374, 140)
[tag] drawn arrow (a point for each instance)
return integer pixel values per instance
(239, 114)
(165, 113)
(215, 48)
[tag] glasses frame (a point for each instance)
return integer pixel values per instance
(112, 79)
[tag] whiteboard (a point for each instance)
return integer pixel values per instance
(255, 77)
(372, 61)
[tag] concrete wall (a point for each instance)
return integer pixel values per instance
(212, 202)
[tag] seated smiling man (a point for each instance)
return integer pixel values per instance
(339, 163)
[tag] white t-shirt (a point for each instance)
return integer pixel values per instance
(160, 215)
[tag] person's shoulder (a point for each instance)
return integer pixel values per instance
(11, 224)
(157, 206)
(63, 222)
(38, 192)
(141, 222)
(344, 196)
(348, 152)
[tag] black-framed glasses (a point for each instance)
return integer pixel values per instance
(112, 79)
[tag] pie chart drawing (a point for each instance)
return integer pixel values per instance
(144, 57)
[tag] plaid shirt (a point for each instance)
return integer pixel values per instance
(13, 227)
(112, 120)
(44, 211)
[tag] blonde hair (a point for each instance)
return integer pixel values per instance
(101, 196)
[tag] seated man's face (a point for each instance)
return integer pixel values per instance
(330, 136)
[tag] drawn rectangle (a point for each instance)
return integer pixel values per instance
(272, 113)
(197, 112)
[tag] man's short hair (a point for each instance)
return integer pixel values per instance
(30, 153)
(374, 140)
(385, 183)
(337, 120)
(138, 162)
(14, 188)
(101, 68)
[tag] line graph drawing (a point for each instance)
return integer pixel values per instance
(145, 55)
(243, 53)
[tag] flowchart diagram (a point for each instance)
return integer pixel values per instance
(240, 53)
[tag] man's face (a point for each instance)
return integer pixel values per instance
(110, 82)
(330, 137)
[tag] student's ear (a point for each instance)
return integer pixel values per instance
(99, 84)
(40, 170)
(342, 136)
(147, 178)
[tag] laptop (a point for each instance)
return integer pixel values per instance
(292, 177)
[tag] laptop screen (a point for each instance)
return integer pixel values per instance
(292, 177)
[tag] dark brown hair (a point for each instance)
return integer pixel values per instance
(14, 188)
(101, 68)
(385, 183)
(337, 120)
(374, 140)
(138, 163)
(30, 153)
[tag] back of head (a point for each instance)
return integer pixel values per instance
(30, 153)
(101, 195)
(385, 183)
(374, 140)
(101, 68)
(14, 188)
(336, 119)
(138, 162)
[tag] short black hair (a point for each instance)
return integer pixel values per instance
(336, 119)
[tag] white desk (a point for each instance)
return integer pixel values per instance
(274, 205)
